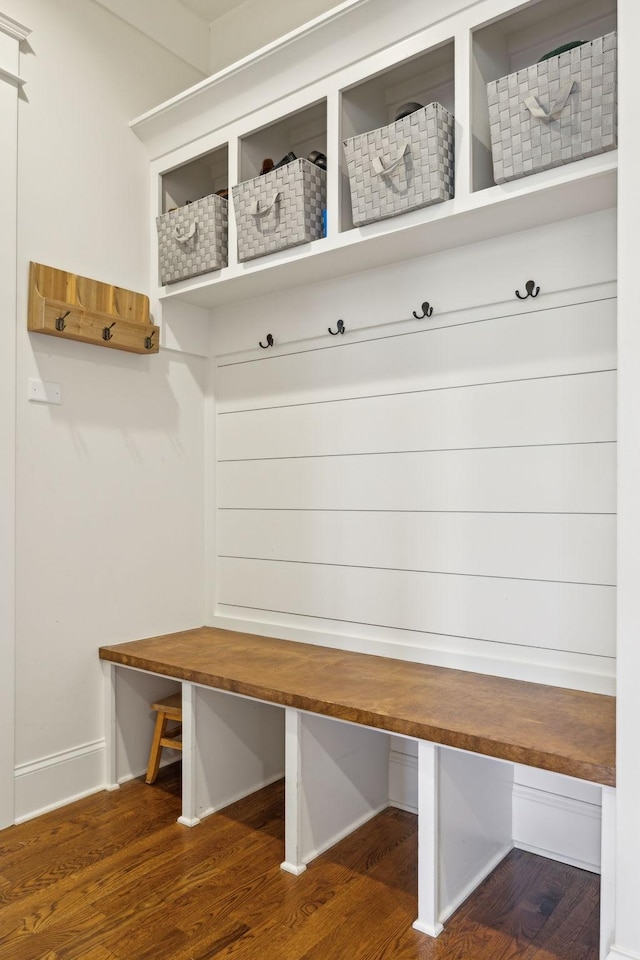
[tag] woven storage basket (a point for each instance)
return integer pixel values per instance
(280, 209)
(193, 239)
(556, 111)
(405, 165)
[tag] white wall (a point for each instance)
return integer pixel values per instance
(171, 24)
(253, 24)
(110, 489)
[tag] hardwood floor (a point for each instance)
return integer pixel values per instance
(114, 877)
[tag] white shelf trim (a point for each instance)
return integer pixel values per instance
(12, 28)
(12, 78)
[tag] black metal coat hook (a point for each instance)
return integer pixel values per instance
(148, 341)
(427, 311)
(106, 332)
(529, 287)
(60, 324)
(340, 326)
(269, 342)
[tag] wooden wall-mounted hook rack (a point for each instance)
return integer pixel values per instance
(64, 305)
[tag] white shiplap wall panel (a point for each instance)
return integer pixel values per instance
(542, 343)
(573, 409)
(567, 479)
(445, 490)
(557, 616)
(572, 547)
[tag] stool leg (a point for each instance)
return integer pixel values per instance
(156, 748)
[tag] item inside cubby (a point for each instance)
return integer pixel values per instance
(402, 166)
(517, 41)
(193, 225)
(280, 209)
(193, 239)
(300, 134)
(199, 178)
(421, 80)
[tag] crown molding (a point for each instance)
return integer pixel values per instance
(12, 28)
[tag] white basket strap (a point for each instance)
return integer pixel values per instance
(183, 237)
(557, 107)
(255, 210)
(381, 170)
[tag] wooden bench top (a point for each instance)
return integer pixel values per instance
(566, 731)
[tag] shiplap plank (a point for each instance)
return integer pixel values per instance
(571, 409)
(548, 342)
(571, 617)
(578, 548)
(567, 479)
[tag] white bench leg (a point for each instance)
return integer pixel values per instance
(189, 812)
(428, 854)
(293, 797)
(607, 871)
(110, 773)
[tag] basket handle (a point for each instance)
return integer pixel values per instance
(183, 237)
(255, 210)
(556, 108)
(381, 170)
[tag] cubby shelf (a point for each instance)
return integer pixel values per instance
(448, 58)
(581, 188)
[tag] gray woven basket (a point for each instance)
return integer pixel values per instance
(193, 239)
(280, 209)
(400, 167)
(554, 112)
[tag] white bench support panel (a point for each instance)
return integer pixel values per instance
(608, 871)
(189, 816)
(110, 776)
(475, 823)
(135, 691)
(239, 747)
(464, 828)
(342, 780)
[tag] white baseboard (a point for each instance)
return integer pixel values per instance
(617, 953)
(403, 781)
(56, 780)
(559, 827)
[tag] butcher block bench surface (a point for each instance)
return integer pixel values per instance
(565, 731)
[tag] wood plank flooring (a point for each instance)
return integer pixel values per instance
(114, 877)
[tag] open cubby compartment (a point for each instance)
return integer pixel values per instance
(516, 41)
(372, 103)
(299, 133)
(200, 177)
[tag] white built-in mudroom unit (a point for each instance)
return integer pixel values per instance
(417, 438)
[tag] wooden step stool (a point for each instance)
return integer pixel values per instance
(169, 708)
